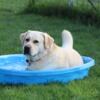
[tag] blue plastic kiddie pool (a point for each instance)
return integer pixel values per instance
(12, 71)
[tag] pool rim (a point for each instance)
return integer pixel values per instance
(85, 66)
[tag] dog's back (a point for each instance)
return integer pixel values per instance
(67, 43)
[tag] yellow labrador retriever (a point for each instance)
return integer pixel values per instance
(43, 54)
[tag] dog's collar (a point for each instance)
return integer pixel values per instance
(35, 58)
(31, 59)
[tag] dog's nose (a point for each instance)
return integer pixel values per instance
(26, 50)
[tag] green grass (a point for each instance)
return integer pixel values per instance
(13, 5)
(86, 41)
(81, 10)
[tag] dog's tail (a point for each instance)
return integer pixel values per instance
(67, 39)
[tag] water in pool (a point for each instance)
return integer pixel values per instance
(13, 63)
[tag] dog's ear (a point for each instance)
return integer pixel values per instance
(22, 37)
(48, 41)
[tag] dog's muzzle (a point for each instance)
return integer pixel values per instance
(26, 50)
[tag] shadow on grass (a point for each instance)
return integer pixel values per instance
(86, 16)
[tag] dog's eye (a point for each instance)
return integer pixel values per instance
(27, 40)
(35, 41)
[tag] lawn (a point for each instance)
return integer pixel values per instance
(86, 41)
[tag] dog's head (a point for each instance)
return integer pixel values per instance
(35, 42)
